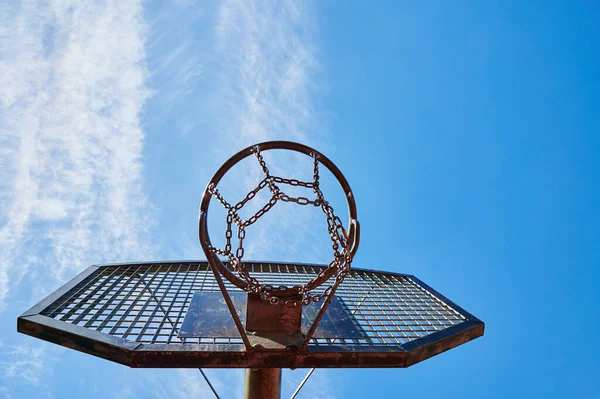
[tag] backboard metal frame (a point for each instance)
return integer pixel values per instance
(39, 322)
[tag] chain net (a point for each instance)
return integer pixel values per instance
(342, 257)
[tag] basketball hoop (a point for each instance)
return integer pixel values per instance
(344, 244)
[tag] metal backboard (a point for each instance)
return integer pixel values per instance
(208, 316)
(133, 314)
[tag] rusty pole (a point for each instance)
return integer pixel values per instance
(262, 384)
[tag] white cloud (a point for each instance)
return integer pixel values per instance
(28, 363)
(268, 60)
(266, 90)
(72, 79)
(183, 383)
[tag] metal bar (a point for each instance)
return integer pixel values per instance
(145, 306)
(209, 384)
(75, 337)
(134, 302)
(116, 307)
(173, 300)
(302, 383)
(262, 384)
(320, 315)
(249, 262)
(129, 311)
(313, 369)
(235, 356)
(230, 306)
(160, 306)
(183, 307)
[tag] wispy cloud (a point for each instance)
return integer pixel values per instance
(72, 79)
(266, 89)
(266, 85)
(27, 363)
(185, 383)
(176, 58)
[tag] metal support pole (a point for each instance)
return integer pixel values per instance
(263, 384)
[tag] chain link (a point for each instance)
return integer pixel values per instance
(274, 189)
(293, 182)
(251, 194)
(213, 190)
(261, 211)
(341, 253)
(299, 200)
(228, 232)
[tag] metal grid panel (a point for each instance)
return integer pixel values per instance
(147, 303)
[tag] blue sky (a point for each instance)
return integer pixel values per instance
(469, 133)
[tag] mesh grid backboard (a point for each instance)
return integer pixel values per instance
(133, 313)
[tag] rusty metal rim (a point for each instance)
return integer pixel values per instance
(213, 259)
